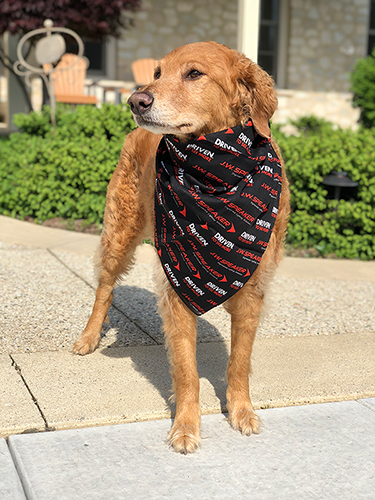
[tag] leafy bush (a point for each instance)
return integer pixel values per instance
(363, 87)
(346, 227)
(62, 173)
(46, 174)
(313, 124)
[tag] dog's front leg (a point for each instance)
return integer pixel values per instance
(116, 258)
(128, 219)
(120, 237)
(244, 308)
(180, 326)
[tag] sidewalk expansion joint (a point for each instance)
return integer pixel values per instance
(35, 401)
(366, 405)
(113, 305)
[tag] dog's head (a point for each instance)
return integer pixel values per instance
(202, 88)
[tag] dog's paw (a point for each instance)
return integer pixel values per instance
(244, 420)
(184, 438)
(85, 345)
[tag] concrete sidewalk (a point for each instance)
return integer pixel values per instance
(312, 452)
(316, 345)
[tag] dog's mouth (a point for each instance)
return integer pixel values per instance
(159, 127)
(184, 125)
(149, 123)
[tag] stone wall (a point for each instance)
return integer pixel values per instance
(326, 37)
(333, 106)
(163, 25)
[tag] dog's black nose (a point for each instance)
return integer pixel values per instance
(140, 102)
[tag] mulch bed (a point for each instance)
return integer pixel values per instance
(79, 225)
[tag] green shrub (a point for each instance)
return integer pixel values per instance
(346, 227)
(45, 174)
(312, 124)
(363, 87)
(62, 173)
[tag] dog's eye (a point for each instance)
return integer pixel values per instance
(194, 74)
(157, 74)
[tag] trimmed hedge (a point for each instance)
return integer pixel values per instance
(363, 87)
(46, 174)
(62, 173)
(346, 227)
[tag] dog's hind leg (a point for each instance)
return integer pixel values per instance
(245, 308)
(180, 326)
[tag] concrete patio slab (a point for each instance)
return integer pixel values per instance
(13, 231)
(25, 233)
(10, 484)
(51, 292)
(296, 305)
(47, 306)
(115, 387)
(305, 452)
(119, 385)
(327, 269)
(18, 412)
(18, 232)
(300, 370)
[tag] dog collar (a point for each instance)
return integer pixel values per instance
(216, 201)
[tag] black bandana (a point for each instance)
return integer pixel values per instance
(216, 202)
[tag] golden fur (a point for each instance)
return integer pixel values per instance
(198, 89)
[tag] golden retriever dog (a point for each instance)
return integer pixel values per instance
(198, 89)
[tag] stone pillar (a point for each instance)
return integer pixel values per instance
(248, 28)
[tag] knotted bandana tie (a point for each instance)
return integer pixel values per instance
(216, 202)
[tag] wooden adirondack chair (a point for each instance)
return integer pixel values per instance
(69, 83)
(143, 71)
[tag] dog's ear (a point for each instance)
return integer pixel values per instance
(257, 95)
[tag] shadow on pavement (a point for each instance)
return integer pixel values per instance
(139, 305)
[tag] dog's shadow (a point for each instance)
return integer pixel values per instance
(139, 305)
